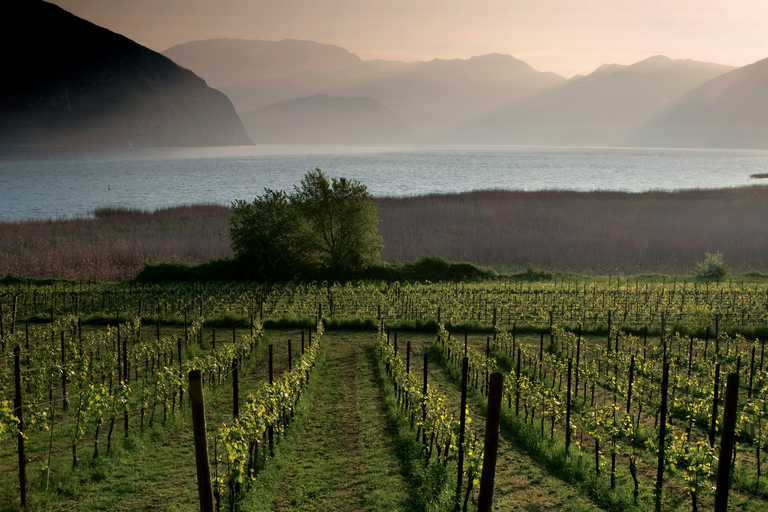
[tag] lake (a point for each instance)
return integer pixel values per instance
(72, 182)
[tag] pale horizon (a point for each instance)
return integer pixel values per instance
(550, 35)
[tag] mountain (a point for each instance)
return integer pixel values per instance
(256, 73)
(223, 62)
(599, 109)
(322, 119)
(439, 95)
(70, 82)
(729, 111)
(431, 97)
(263, 92)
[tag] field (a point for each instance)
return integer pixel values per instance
(345, 424)
(597, 233)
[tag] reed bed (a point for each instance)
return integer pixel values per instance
(588, 232)
(114, 244)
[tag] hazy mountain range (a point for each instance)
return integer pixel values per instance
(428, 96)
(69, 82)
(600, 109)
(321, 119)
(729, 111)
(488, 99)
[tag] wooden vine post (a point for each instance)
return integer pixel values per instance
(424, 405)
(125, 378)
(727, 442)
(204, 489)
(662, 436)
(568, 410)
(271, 428)
(462, 424)
(578, 354)
(181, 388)
(235, 389)
(408, 357)
(713, 424)
(18, 412)
(496, 388)
(13, 314)
(64, 372)
(517, 384)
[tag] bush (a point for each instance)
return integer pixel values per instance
(713, 267)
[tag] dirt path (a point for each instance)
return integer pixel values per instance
(345, 460)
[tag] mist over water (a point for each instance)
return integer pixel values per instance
(73, 182)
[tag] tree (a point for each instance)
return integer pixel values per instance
(267, 235)
(341, 221)
(324, 224)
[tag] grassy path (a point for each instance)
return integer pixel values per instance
(345, 460)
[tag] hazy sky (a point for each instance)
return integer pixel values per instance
(565, 36)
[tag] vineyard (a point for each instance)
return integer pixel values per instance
(374, 396)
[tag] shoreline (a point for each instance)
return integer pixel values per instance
(92, 214)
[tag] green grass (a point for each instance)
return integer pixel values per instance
(264, 490)
(343, 457)
(434, 484)
(153, 470)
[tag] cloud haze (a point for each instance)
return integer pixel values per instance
(552, 35)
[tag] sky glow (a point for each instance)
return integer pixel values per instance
(564, 36)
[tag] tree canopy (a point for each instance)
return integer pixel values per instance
(324, 224)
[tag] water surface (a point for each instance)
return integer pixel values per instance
(72, 182)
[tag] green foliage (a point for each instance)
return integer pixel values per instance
(713, 266)
(701, 317)
(215, 270)
(327, 224)
(269, 234)
(341, 218)
(429, 269)
(532, 273)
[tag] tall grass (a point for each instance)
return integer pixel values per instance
(114, 243)
(589, 232)
(592, 232)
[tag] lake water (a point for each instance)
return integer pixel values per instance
(72, 182)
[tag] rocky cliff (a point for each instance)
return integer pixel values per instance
(70, 82)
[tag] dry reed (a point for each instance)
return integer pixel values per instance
(590, 232)
(113, 245)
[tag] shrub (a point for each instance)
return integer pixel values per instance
(713, 266)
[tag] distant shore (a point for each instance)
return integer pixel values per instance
(585, 232)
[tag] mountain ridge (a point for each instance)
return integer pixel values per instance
(730, 110)
(324, 119)
(595, 110)
(428, 96)
(257, 58)
(90, 86)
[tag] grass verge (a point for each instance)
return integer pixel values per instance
(433, 484)
(266, 486)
